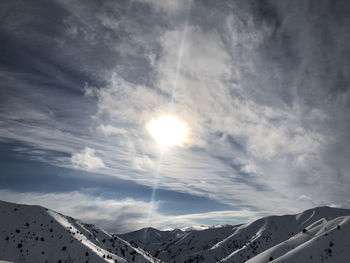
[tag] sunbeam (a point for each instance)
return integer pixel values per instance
(177, 140)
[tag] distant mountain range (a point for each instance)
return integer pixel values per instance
(37, 234)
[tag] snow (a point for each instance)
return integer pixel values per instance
(288, 238)
(37, 234)
(323, 242)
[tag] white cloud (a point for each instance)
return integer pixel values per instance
(111, 130)
(123, 215)
(117, 215)
(87, 160)
(273, 137)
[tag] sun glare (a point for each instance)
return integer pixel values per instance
(168, 131)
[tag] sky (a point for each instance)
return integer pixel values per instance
(263, 87)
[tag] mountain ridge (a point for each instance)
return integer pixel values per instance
(37, 234)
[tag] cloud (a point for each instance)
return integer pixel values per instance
(344, 204)
(263, 88)
(111, 130)
(115, 215)
(120, 216)
(204, 97)
(168, 6)
(87, 160)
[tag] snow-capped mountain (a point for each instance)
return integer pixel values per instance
(37, 234)
(176, 245)
(317, 235)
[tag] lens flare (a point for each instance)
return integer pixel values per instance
(168, 131)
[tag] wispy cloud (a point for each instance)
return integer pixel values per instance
(111, 130)
(122, 215)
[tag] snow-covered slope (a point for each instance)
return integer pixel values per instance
(315, 235)
(267, 234)
(36, 234)
(153, 240)
(322, 242)
(176, 245)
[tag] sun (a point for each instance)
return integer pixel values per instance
(168, 130)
